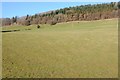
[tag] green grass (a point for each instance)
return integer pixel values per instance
(0, 53)
(87, 49)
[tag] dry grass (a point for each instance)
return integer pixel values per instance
(85, 50)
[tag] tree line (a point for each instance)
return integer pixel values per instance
(77, 13)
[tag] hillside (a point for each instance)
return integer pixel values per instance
(79, 13)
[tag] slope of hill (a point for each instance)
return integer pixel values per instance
(78, 13)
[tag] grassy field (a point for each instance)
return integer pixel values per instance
(0, 53)
(86, 49)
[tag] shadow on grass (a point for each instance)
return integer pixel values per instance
(12, 30)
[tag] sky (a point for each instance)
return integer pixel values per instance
(10, 9)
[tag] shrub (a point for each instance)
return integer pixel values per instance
(27, 22)
(38, 26)
(53, 22)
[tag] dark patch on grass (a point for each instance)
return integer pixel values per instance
(27, 29)
(10, 30)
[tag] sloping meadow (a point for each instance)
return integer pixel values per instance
(75, 49)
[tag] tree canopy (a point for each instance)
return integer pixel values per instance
(77, 13)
